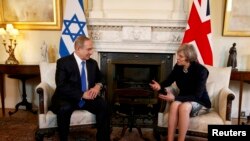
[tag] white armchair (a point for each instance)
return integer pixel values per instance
(221, 98)
(47, 120)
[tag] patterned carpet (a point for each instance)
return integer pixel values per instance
(22, 125)
(18, 127)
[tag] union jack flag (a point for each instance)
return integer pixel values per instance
(198, 31)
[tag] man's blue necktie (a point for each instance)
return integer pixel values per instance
(84, 86)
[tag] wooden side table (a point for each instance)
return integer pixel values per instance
(242, 76)
(133, 103)
(21, 72)
(24, 102)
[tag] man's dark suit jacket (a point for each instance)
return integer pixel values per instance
(68, 81)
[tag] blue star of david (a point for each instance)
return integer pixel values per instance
(73, 27)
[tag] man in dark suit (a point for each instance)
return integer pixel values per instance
(70, 95)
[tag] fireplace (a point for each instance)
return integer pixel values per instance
(135, 75)
(133, 70)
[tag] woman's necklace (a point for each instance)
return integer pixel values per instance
(185, 70)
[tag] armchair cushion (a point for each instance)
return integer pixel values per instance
(47, 72)
(79, 117)
(210, 90)
(220, 76)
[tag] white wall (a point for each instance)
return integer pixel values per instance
(221, 47)
(28, 50)
(139, 9)
(221, 44)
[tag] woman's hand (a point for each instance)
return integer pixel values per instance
(155, 85)
(169, 97)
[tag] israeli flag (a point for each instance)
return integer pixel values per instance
(74, 24)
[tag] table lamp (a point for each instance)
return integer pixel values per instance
(9, 42)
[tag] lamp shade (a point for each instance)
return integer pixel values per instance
(9, 27)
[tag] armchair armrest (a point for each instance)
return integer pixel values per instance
(45, 92)
(226, 97)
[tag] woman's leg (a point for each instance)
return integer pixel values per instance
(172, 119)
(183, 119)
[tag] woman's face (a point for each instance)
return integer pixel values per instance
(181, 59)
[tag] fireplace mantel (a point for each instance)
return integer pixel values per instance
(137, 22)
(136, 35)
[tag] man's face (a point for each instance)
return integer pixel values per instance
(85, 52)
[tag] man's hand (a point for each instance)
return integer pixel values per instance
(92, 93)
(86, 95)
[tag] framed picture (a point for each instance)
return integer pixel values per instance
(31, 14)
(237, 18)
